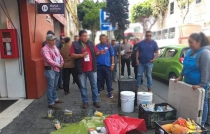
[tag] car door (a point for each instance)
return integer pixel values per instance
(165, 62)
(156, 62)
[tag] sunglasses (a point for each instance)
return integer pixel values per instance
(148, 35)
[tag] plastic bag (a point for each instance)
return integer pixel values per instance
(116, 124)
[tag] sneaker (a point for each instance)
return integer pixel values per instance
(96, 105)
(59, 101)
(110, 95)
(130, 77)
(122, 77)
(85, 105)
(53, 106)
(112, 89)
(99, 94)
(149, 90)
(115, 80)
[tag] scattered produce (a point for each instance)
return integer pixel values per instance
(167, 127)
(182, 126)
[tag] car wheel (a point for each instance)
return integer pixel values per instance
(172, 76)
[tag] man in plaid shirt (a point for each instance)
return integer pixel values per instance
(53, 62)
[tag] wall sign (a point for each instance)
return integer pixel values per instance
(51, 8)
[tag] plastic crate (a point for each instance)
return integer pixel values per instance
(127, 85)
(160, 123)
(151, 117)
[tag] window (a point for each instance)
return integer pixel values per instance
(165, 34)
(198, 1)
(184, 52)
(172, 8)
(170, 52)
(171, 33)
(161, 51)
(158, 37)
(154, 35)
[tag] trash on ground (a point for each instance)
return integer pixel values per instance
(68, 112)
(57, 124)
(97, 113)
(49, 113)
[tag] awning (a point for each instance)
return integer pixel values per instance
(60, 18)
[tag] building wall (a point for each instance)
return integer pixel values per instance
(12, 84)
(32, 44)
(198, 13)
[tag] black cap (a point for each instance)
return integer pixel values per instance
(50, 32)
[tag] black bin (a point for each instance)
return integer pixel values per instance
(127, 85)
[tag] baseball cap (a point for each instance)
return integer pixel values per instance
(50, 32)
(50, 37)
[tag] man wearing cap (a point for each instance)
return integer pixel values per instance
(116, 49)
(53, 62)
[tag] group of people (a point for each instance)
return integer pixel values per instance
(83, 60)
(98, 63)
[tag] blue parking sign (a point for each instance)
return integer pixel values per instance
(105, 25)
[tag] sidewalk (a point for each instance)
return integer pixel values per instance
(33, 119)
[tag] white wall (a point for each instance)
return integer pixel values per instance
(12, 83)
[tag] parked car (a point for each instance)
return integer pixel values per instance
(169, 63)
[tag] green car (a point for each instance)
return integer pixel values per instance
(169, 63)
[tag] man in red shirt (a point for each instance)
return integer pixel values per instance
(84, 52)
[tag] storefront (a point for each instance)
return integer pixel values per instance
(12, 79)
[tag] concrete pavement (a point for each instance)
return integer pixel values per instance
(33, 119)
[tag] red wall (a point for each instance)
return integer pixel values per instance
(33, 62)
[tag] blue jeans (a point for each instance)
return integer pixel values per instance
(104, 72)
(141, 69)
(92, 76)
(60, 80)
(52, 82)
(114, 72)
(205, 107)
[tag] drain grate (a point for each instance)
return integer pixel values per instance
(4, 104)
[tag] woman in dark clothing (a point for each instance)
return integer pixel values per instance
(196, 67)
(133, 58)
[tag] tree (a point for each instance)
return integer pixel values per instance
(88, 14)
(184, 6)
(118, 10)
(159, 8)
(148, 12)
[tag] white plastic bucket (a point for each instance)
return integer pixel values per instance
(144, 98)
(127, 101)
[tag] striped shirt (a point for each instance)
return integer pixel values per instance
(49, 54)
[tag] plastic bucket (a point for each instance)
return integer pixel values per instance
(127, 101)
(127, 105)
(144, 98)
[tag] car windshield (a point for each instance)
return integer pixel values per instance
(184, 52)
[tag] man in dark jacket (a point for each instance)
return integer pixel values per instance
(84, 52)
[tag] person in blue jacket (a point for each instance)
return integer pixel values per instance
(196, 67)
